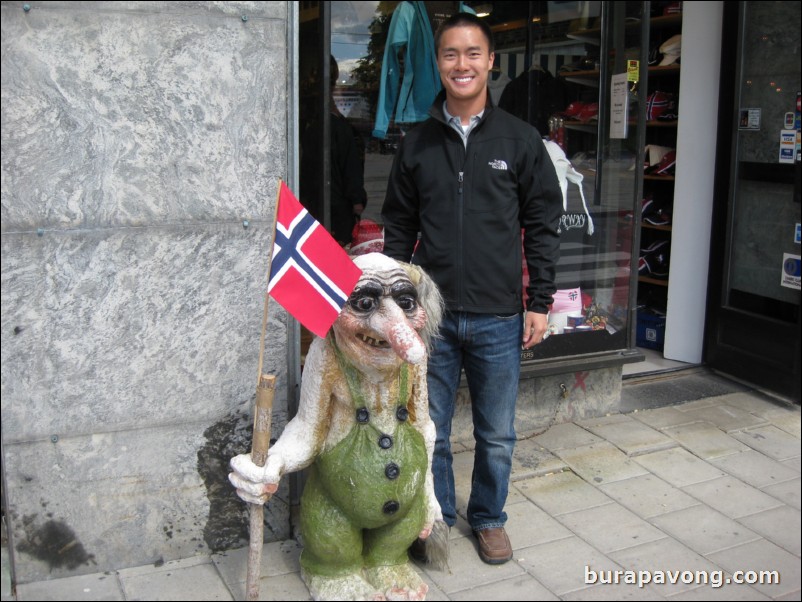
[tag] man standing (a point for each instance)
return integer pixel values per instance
(469, 179)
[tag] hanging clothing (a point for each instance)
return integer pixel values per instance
(546, 93)
(408, 96)
(497, 86)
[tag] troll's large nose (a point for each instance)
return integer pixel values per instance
(394, 326)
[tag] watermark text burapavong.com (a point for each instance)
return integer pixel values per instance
(713, 578)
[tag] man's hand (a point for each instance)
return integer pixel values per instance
(535, 327)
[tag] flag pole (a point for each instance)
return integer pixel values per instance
(263, 413)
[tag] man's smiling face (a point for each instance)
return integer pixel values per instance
(464, 61)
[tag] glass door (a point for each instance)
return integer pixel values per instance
(755, 326)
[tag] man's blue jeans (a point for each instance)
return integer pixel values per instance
(488, 347)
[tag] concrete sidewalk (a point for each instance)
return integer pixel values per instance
(696, 495)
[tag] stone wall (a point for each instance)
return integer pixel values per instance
(142, 144)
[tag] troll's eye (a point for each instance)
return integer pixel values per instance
(407, 302)
(405, 295)
(363, 303)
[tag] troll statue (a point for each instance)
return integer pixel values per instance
(364, 430)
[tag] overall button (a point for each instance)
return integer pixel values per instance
(391, 471)
(391, 507)
(362, 415)
(402, 414)
(385, 441)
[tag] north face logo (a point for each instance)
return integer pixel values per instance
(498, 164)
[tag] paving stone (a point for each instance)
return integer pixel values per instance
(189, 579)
(790, 597)
(678, 467)
(661, 418)
(468, 570)
(732, 497)
(705, 440)
(98, 586)
(762, 555)
(522, 587)
(788, 492)
(561, 492)
(531, 459)
(793, 463)
(278, 558)
(565, 436)
(648, 495)
(771, 441)
(703, 529)
(657, 558)
(788, 423)
(529, 525)
(619, 591)
(600, 462)
(632, 437)
(754, 468)
(434, 594)
(759, 404)
(289, 586)
(589, 423)
(780, 526)
(610, 527)
(561, 565)
(727, 592)
(725, 417)
(697, 404)
(461, 529)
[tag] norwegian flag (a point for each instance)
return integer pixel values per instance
(311, 275)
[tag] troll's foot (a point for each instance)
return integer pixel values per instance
(349, 587)
(397, 582)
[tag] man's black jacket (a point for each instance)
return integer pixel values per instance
(470, 205)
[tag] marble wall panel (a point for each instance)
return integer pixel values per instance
(131, 118)
(100, 502)
(132, 328)
(142, 144)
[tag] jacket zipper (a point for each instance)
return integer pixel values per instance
(460, 254)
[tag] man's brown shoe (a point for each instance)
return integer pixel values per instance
(494, 545)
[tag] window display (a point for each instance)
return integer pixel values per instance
(552, 68)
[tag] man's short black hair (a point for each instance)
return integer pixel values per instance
(464, 20)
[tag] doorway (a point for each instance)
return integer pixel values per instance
(753, 330)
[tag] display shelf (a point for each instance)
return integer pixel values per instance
(648, 280)
(664, 133)
(588, 128)
(658, 124)
(664, 70)
(653, 227)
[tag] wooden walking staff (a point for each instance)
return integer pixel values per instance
(262, 417)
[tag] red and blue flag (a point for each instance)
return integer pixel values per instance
(311, 275)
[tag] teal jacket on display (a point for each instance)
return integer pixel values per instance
(411, 97)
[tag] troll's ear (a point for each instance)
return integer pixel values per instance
(429, 298)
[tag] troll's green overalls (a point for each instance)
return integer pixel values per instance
(364, 502)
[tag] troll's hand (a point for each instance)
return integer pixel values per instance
(255, 484)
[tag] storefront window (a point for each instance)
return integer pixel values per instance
(554, 68)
